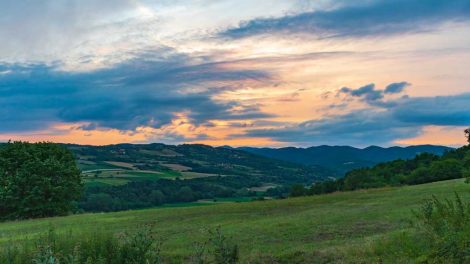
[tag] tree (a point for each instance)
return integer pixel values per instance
(298, 190)
(419, 176)
(37, 180)
(101, 202)
(446, 170)
(467, 134)
(185, 194)
(157, 197)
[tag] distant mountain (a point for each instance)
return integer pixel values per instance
(341, 159)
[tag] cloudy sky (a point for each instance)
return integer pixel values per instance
(235, 72)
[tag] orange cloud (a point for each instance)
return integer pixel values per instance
(437, 135)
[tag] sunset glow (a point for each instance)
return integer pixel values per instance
(257, 73)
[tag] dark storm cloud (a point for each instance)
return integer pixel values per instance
(380, 17)
(145, 91)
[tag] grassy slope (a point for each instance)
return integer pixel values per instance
(321, 223)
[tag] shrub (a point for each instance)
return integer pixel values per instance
(217, 249)
(440, 234)
(298, 190)
(142, 246)
(224, 251)
(446, 226)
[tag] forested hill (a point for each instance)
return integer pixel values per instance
(342, 159)
(195, 161)
(131, 176)
(424, 168)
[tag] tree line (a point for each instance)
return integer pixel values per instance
(424, 168)
(145, 194)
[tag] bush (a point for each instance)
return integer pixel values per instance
(446, 226)
(298, 190)
(141, 247)
(224, 251)
(440, 234)
(218, 249)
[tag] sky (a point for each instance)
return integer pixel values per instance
(241, 73)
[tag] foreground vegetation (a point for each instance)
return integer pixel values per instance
(366, 226)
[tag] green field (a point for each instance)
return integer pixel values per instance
(339, 225)
(96, 166)
(122, 177)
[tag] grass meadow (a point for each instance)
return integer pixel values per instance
(340, 227)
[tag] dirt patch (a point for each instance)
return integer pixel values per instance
(121, 164)
(193, 175)
(176, 167)
(263, 187)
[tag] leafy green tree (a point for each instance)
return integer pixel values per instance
(186, 194)
(324, 187)
(101, 202)
(446, 170)
(298, 190)
(157, 197)
(467, 134)
(37, 180)
(419, 176)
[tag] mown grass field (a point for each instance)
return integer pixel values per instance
(336, 224)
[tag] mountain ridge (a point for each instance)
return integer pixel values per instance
(344, 158)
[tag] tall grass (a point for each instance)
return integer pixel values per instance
(446, 226)
(440, 233)
(140, 247)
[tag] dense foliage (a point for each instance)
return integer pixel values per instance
(423, 168)
(37, 180)
(144, 194)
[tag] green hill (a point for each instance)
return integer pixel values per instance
(136, 176)
(126, 162)
(338, 227)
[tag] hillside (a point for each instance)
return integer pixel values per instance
(423, 168)
(126, 162)
(336, 227)
(132, 176)
(342, 159)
